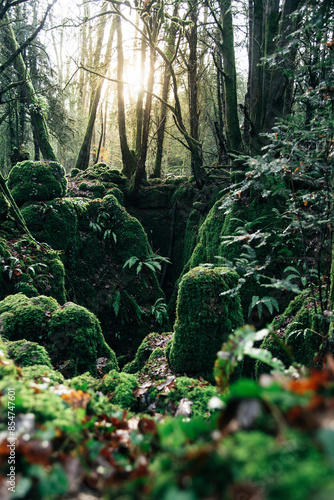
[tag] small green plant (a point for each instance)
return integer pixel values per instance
(159, 311)
(258, 303)
(240, 344)
(152, 262)
(100, 227)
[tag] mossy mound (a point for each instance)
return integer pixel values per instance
(120, 387)
(297, 335)
(71, 334)
(229, 225)
(198, 393)
(104, 173)
(26, 353)
(75, 334)
(37, 181)
(54, 223)
(148, 346)
(84, 381)
(26, 318)
(205, 319)
(31, 269)
(42, 373)
(115, 191)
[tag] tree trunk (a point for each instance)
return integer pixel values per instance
(36, 113)
(128, 158)
(280, 92)
(164, 96)
(84, 153)
(141, 165)
(230, 79)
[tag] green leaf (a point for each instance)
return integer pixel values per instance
(117, 302)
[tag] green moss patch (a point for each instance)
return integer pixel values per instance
(26, 353)
(71, 334)
(205, 319)
(37, 181)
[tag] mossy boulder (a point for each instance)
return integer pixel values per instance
(120, 387)
(71, 334)
(31, 269)
(146, 349)
(104, 173)
(26, 318)
(42, 373)
(75, 334)
(205, 319)
(115, 191)
(298, 334)
(54, 223)
(37, 181)
(26, 353)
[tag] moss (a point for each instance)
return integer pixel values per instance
(204, 321)
(157, 353)
(84, 382)
(120, 387)
(27, 289)
(115, 191)
(37, 181)
(25, 318)
(75, 334)
(299, 330)
(45, 404)
(57, 271)
(104, 173)
(184, 387)
(40, 373)
(54, 223)
(70, 333)
(26, 353)
(145, 350)
(83, 186)
(74, 172)
(99, 190)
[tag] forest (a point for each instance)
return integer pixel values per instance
(167, 268)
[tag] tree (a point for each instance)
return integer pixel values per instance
(84, 153)
(36, 112)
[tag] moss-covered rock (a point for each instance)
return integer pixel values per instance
(84, 381)
(26, 318)
(54, 223)
(298, 334)
(75, 334)
(195, 391)
(148, 346)
(42, 373)
(120, 387)
(104, 173)
(71, 334)
(205, 319)
(26, 353)
(37, 181)
(115, 191)
(31, 269)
